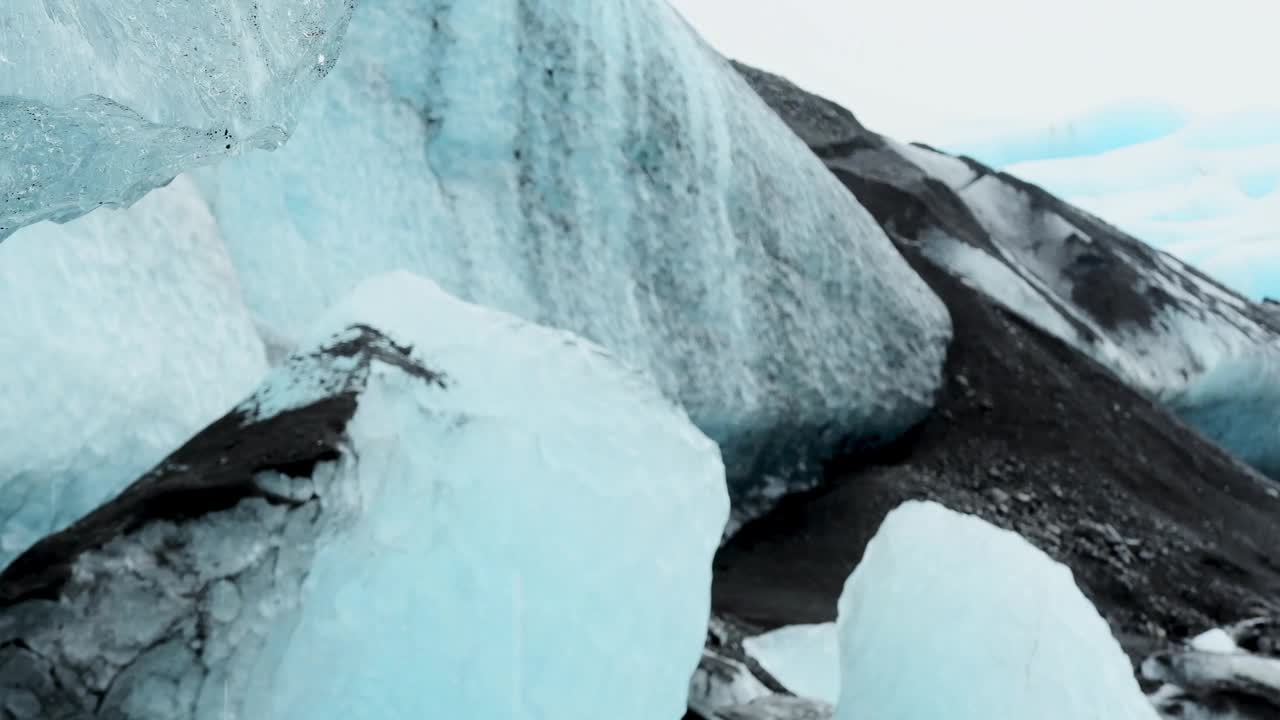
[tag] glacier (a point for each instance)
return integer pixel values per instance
(396, 524)
(123, 333)
(1161, 325)
(948, 616)
(596, 167)
(102, 101)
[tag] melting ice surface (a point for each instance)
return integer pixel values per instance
(948, 616)
(532, 540)
(102, 100)
(122, 333)
(594, 166)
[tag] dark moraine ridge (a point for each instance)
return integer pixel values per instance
(1166, 533)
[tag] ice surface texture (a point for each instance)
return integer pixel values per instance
(101, 100)
(122, 333)
(804, 658)
(511, 525)
(947, 616)
(594, 166)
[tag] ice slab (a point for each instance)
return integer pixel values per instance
(948, 616)
(493, 520)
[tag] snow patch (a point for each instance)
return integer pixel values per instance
(492, 479)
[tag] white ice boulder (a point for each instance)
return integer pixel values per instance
(947, 616)
(532, 540)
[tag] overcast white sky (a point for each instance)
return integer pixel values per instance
(951, 70)
(1161, 84)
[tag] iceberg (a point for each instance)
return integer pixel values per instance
(102, 101)
(596, 167)
(948, 616)
(124, 332)
(400, 522)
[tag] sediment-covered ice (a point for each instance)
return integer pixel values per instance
(947, 616)
(101, 101)
(594, 166)
(123, 332)
(494, 520)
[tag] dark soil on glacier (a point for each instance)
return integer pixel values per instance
(1166, 533)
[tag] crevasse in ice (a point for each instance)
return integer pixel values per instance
(596, 167)
(101, 101)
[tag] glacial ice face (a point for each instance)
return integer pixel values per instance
(123, 333)
(947, 616)
(544, 484)
(101, 101)
(722, 682)
(494, 520)
(594, 166)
